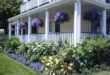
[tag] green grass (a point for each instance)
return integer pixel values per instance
(10, 66)
(102, 73)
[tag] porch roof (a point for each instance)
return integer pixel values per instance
(55, 3)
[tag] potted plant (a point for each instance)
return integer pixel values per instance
(62, 17)
(37, 22)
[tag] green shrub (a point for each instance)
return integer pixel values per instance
(12, 44)
(34, 58)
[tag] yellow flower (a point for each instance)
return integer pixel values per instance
(64, 72)
(69, 68)
(71, 64)
(45, 58)
(51, 70)
(46, 69)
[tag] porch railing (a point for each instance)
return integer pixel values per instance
(55, 37)
(31, 4)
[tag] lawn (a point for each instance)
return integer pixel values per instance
(10, 66)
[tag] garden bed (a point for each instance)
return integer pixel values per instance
(90, 56)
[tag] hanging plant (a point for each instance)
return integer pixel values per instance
(62, 17)
(37, 22)
(12, 29)
(92, 15)
(23, 24)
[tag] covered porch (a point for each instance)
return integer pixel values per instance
(74, 31)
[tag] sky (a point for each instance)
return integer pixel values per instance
(24, 0)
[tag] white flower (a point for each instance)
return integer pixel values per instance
(42, 61)
(48, 64)
(28, 51)
(53, 73)
(50, 57)
(28, 46)
(38, 45)
(34, 49)
(57, 61)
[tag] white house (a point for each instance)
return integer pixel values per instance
(46, 10)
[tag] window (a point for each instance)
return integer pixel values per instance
(50, 26)
(94, 26)
(108, 1)
(34, 30)
(57, 27)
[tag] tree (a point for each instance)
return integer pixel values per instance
(8, 9)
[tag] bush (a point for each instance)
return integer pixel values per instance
(12, 44)
(3, 40)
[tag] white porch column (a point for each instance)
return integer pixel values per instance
(9, 30)
(104, 22)
(29, 28)
(15, 30)
(47, 25)
(18, 28)
(27, 5)
(38, 2)
(79, 21)
(76, 23)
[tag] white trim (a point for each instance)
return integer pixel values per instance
(55, 3)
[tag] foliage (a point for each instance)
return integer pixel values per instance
(62, 17)
(3, 40)
(92, 15)
(37, 22)
(8, 8)
(63, 58)
(1, 49)
(12, 44)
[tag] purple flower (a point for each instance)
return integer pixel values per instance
(62, 17)
(37, 22)
(92, 15)
(23, 24)
(12, 29)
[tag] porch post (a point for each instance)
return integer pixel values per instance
(29, 28)
(76, 23)
(9, 30)
(47, 25)
(104, 22)
(18, 28)
(79, 22)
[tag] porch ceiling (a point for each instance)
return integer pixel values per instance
(67, 7)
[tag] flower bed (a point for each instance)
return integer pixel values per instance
(20, 58)
(92, 55)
